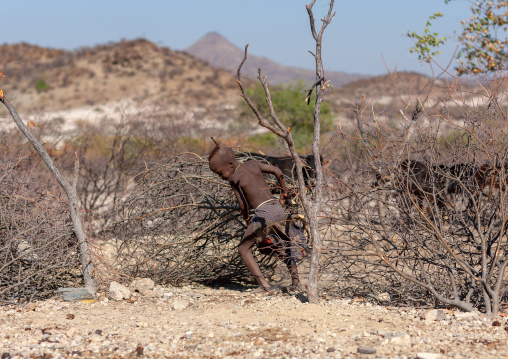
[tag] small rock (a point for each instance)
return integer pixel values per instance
(397, 338)
(70, 333)
(496, 323)
(70, 316)
(6, 356)
(366, 350)
(434, 314)
(330, 350)
(118, 291)
(188, 335)
(179, 304)
(428, 356)
(142, 285)
(466, 315)
(384, 297)
(24, 250)
(258, 353)
(74, 294)
(139, 351)
(95, 338)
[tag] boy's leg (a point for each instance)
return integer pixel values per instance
(244, 248)
(295, 278)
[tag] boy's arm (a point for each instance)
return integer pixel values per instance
(280, 177)
(242, 202)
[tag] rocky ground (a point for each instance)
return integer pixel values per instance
(198, 322)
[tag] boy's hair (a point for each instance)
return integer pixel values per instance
(225, 152)
(220, 154)
(214, 150)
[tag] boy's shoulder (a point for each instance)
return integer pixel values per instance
(251, 163)
(246, 169)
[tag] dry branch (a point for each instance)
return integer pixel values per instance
(70, 191)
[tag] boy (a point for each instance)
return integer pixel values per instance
(270, 219)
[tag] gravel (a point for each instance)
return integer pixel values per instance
(197, 321)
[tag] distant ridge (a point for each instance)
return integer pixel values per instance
(40, 79)
(219, 52)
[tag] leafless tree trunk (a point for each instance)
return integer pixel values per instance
(70, 191)
(311, 204)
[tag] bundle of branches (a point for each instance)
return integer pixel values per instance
(38, 250)
(429, 222)
(180, 223)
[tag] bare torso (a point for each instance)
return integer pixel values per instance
(248, 177)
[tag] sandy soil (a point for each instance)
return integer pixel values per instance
(199, 322)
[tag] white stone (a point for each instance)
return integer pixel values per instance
(118, 291)
(258, 353)
(142, 285)
(179, 304)
(434, 314)
(466, 315)
(428, 356)
(70, 333)
(23, 249)
(384, 297)
(96, 338)
(398, 338)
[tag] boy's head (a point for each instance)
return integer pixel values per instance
(222, 161)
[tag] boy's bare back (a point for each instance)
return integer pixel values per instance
(250, 185)
(246, 179)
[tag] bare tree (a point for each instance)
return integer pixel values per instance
(70, 190)
(311, 204)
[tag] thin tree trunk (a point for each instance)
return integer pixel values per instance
(312, 205)
(318, 193)
(70, 191)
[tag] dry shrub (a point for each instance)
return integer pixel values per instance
(38, 250)
(180, 223)
(421, 211)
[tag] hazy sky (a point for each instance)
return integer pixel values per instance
(363, 33)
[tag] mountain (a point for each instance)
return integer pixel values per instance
(219, 52)
(38, 79)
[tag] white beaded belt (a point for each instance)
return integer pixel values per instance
(268, 200)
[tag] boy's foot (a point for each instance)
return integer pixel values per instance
(294, 289)
(262, 291)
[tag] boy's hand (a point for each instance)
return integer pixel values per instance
(283, 198)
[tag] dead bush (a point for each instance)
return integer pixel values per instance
(180, 223)
(38, 250)
(423, 212)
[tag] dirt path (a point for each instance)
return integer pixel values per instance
(201, 322)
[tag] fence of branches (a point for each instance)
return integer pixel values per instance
(422, 212)
(180, 223)
(38, 251)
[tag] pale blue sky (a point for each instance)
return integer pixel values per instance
(361, 35)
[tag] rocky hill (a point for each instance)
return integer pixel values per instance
(39, 79)
(89, 83)
(221, 53)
